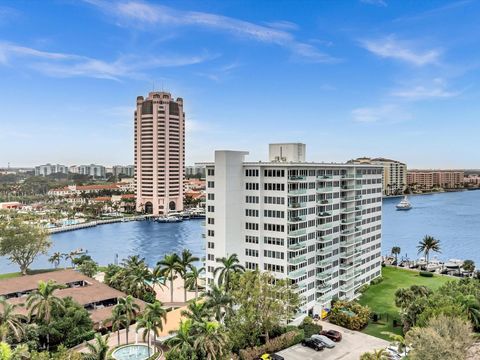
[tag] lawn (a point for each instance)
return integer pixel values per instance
(381, 297)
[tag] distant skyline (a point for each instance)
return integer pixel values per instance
(377, 78)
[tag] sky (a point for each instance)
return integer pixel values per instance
(396, 79)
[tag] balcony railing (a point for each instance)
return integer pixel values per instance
(297, 191)
(297, 260)
(297, 178)
(326, 226)
(297, 246)
(296, 273)
(324, 275)
(299, 232)
(297, 205)
(324, 214)
(295, 219)
(323, 190)
(327, 250)
(346, 266)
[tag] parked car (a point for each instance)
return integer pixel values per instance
(325, 340)
(271, 357)
(314, 344)
(332, 335)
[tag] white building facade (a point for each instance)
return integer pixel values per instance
(48, 169)
(317, 224)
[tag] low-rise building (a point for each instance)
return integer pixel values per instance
(429, 179)
(472, 180)
(10, 205)
(96, 297)
(88, 189)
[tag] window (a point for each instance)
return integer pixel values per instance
(251, 252)
(211, 184)
(251, 186)
(251, 212)
(251, 265)
(274, 214)
(211, 257)
(274, 268)
(211, 196)
(251, 239)
(251, 172)
(273, 254)
(273, 240)
(210, 172)
(210, 232)
(252, 199)
(273, 227)
(211, 245)
(211, 221)
(274, 186)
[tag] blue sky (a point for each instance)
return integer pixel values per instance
(353, 78)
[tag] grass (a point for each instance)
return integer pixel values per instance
(381, 297)
(30, 272)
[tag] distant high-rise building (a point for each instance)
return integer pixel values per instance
(96, 171)
(317, 224)
(195, 171)
(159, 153)
(394, 174)
(128, 170)
(428, 179)
(47, 169)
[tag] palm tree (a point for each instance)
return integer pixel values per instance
(192, 277)
(10, 321)
(146, 324)
(396, 251)
(183, 339)
(185, 263)
(118, 321)
(99, 350)
(168, 267)
(42, 302)
(157, 315)
(379, 354)
(128, 307)
(228, 266)
(210, 340)
(219, 301)
(55, 259)
(197, 312)
(429, 243)
(471, 306)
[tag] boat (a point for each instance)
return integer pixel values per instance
(404, 204)
(169, 219)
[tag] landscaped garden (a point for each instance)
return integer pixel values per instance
(381, 297)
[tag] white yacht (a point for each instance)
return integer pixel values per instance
(404, 204)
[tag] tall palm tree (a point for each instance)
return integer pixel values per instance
(128, 307)
(10, 321)
(118, 321)
(168, 268)
(427, 244)
(185, 263)
(55, 259)
(183, 339)
(192, 277)
(157, 315)
(219, 301)
(42, 303)
(229, 266)
(210, 340)
(99, 350)
(145, 323)
(395, 252)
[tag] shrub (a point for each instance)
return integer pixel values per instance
(276, 344)
(310, 329)
(426, 274)
(307, 320)
(351, 315)
(376, 281)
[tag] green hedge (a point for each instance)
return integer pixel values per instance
(426, 274)
(276, 344)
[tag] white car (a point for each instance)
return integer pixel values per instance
(326, 341)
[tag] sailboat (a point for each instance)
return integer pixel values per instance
(404, 204)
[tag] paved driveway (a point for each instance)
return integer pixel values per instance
(353, 345)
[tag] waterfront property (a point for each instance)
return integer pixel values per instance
(318, 224)
(394, 174)
(381, 297)
(159, 153)
(94, 296)
(428, 179)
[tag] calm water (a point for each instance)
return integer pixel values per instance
(454, 218)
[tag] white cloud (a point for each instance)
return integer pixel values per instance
(390, 113)
(390, 47)
(71, 65)
(438, 89)
(137, 13)
(374, 2)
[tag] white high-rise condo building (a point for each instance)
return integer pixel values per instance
(48, 169)
(318, 224)
(159, 153)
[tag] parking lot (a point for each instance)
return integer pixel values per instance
(353, 345)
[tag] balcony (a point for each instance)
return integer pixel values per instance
(297, 192)
(347, 276)
(348, 210)
(295, 233)
(324, 275)
(325, 202)
(325, 177)
(348, 176)
(348, 198)
(348, 221)
(326, 226)
(297, 178)
(347, 254)
(347, 232)
(297, 273)
(358, 240)
(326, 298)
(324, 214)
(297, 260)
(324, 288)
(296, 205)
(297, 246)
(327, 250)
(325, 239)
(296, 219)
(346, 266)
(358, 186)
(347, 242)
(324, 190)
(347, 287)
(358, 261)
(324, 263)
